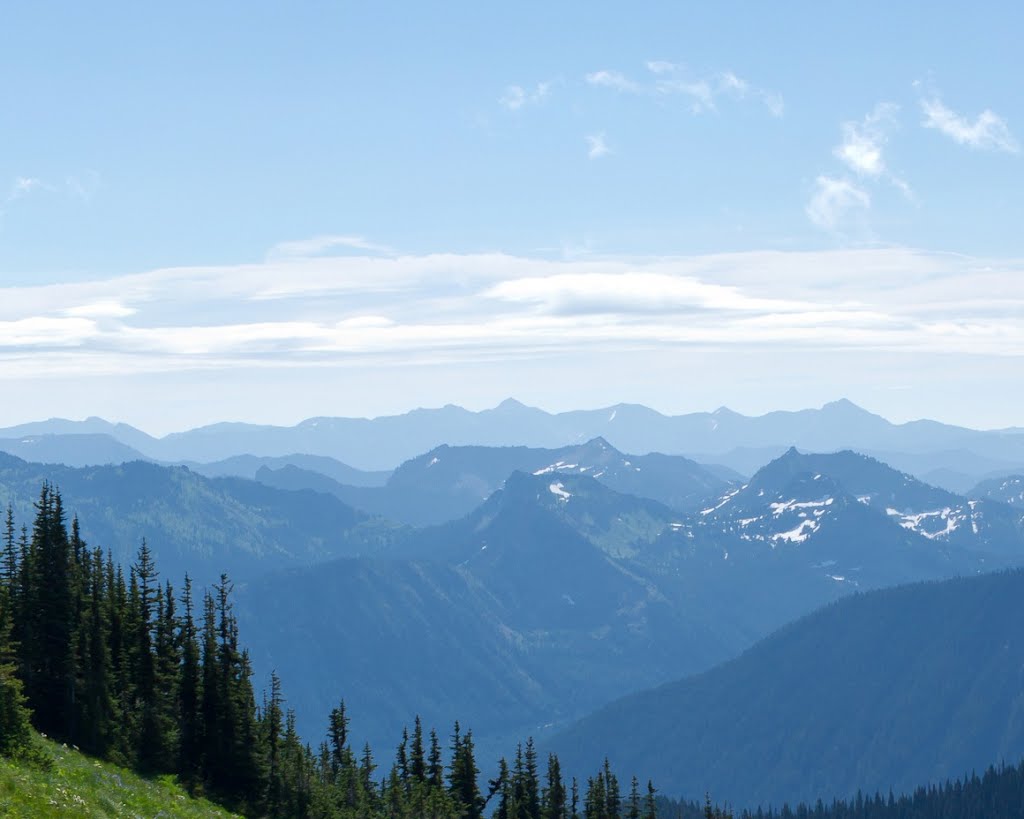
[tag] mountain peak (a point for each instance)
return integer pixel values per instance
(511, 404)
(844, 405)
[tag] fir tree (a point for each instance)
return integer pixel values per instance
(554, 792)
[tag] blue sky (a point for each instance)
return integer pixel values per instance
(390, 205)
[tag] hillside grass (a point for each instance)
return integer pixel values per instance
(72, 784)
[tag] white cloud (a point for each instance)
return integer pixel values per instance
(673, 79)
(988, 131)
(364, 310)
(833, 200)
(318, 245)
(23, 186)
(596, 146)
(630, 292)
(862, 149)
(863, 142)
(81, 186)
(517, 97)
(100, 309)
(614, 80)
(354, 334)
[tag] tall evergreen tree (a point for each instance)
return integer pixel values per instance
(190, 737)
(554, 792)
(462, 781)
(650, 805)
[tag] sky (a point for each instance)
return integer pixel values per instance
(266, 211)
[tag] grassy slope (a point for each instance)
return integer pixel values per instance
(80, 786)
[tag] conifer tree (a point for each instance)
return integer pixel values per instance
(273, 728)
(650, 806)
(190, 742)
(435, 766)
(634, 800)
(531, 782)
(338, 734)
(553, 806)
(613, 797)
(14, 715)
(462, 782)
(9, 564)
(417, 759)
(152, 740)
(501, 786)
(99, 713)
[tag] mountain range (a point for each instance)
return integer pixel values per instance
(674, 590)
(448, 482)
(722, 436)
(518, 587)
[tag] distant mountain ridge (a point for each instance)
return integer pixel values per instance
(192, 523)
(448, 481)
(382, 443)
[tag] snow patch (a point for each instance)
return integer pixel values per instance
(799, 534)
(723, 502)
(927, 524)
(779, 508)
(559, 490)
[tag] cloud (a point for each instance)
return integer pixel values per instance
(81, 186)
(596, 146)
(319, 245)
(23, 186)
(674, 79)
(100, 310)
(517, 97)
(863, 146)
(614, 80)
(368, 310)
(630, 292)
(988, 131)
(864, 141)
(833, 200)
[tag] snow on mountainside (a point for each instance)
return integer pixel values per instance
(450, 481)
(1008, 490)
(851, 517)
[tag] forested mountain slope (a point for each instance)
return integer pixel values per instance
(196, 524)
(881, 690)
(510, 618)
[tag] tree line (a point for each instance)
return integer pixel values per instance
(996, 794)
(125, 668)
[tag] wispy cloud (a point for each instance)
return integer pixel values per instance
(597, 146)
(319, 245)
(862, 149)
(81, 186)
(23, 186)
(834, 200)
(864, 141)
(362, 310)
(988, 131)
(517, 97)
(673, 79)
(614, 80)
